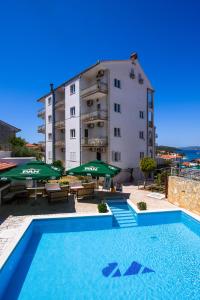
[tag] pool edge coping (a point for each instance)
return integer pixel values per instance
(20, 232)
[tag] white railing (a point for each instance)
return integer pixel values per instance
(95, 115)
(103, 141)
(95, 87)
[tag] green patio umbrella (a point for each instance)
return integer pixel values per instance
(35, 170)
(95, 168)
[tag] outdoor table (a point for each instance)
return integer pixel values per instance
(75, 189)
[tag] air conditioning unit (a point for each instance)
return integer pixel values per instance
(91, 125)
(100, 73)
(100, 124)
(89, 102)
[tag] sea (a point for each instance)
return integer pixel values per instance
(190, 154)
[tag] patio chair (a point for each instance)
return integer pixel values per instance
(57, 196)
(11, 192)
(84, 193)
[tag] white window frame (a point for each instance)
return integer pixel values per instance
(117, 107)
(49, 119)
(72, 89)
(49, 100)
(141, 135)
(117, 132)
(141, 114)
(50, 137)
(72, 133)
(72, 156)
(117, 83)
(49, 155)
(116, 156)
(72, 111)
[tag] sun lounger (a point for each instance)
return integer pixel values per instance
(156, 196)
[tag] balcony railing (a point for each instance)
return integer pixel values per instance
(41, 129)
(60, 143)
(99, 115)
(60, 104)
(100, 88)
(41, 113)
(151, 124)
(150, 143)
(60, 124)
(96, 142)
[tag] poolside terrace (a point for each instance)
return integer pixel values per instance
(13, 216)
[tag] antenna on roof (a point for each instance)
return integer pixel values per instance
(51, 87)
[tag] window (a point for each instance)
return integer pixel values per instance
(141, 114)
(150, 98)
(72, 156)
(50, 119)
(49, 101)
(117, 83)
(116, 156)
(141, 155)
(141, 134)
(117, 132)
(117, 107)
(140, 79)
(98, 106)
(49, 136)
(72, 133)
(49, 155)
(72, 89)
(72, 111)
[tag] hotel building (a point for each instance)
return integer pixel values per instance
(106, 112)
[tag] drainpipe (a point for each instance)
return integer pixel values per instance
(53, 122)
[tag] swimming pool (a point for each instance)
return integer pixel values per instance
(92, 258)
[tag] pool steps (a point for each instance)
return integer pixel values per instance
(123, 216)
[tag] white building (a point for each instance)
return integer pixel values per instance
(106, 112)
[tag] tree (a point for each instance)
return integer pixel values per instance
(17, 142)
(147, 165)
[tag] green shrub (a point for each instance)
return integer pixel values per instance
(102, 208)
(64, 183)
(142, 205)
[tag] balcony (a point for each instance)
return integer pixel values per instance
(150, 124)
(60, 104)
(41, 129)
(96, 116)
(150, 144)
(97, 90)
(41, 113)
(150, 105)
(96, 142)
(60, 143)
(60, 124)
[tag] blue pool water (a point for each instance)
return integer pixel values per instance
(94, 258)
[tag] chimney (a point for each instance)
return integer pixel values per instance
(133, 57)
(51, 87)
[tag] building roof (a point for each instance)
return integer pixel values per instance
(10, 126)
(5, 166)
(84, 71)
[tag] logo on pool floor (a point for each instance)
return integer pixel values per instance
(135, 268)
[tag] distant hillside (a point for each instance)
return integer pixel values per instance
(167, 149)
(191, 148)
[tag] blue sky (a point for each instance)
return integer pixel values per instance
(50, 41)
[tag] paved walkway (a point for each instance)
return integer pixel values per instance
(13, 216)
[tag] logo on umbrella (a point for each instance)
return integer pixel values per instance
(91, 169)
(31, 171)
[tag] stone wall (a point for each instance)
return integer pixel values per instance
(185, 193)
